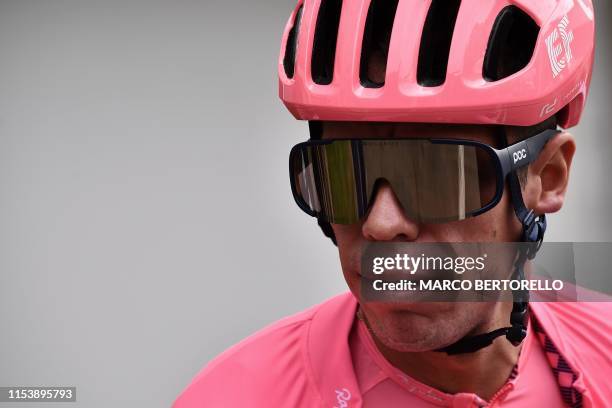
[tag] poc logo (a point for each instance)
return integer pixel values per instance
(342, 397)
(559, 48)
(519, 155)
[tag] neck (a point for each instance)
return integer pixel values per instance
(483, 372)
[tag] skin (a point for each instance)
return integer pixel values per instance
(406, 333)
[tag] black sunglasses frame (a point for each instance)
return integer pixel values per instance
(506, 161)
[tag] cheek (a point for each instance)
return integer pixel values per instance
(348, 238)
(496, 225)
(349, 241)
(502, 221)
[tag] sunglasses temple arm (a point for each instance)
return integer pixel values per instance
(537, 142)
(525, 152)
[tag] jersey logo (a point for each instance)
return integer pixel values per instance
(342, 396)
(558, 44)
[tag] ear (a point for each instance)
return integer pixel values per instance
(548, 175)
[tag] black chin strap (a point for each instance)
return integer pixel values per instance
(519, 316)
(534, 228)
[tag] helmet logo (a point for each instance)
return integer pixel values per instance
(548, 108)
(559, 48)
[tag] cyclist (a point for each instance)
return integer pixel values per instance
(378, 80)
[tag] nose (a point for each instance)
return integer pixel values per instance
(386, 220)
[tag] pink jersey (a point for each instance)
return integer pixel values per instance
(324, 357)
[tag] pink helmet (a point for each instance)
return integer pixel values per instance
(512, 62)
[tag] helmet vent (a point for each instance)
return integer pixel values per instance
(326, 37)
(292, 43)
(376, 40)
(511, 44)
(436, 42)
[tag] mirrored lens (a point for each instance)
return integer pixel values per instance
(434, 182)
(324, 180)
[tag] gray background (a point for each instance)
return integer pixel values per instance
(146, 219)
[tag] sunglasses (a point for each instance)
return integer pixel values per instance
(434, 180)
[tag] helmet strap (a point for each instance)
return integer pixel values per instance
(533, 231)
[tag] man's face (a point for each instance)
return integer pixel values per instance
(420, 326)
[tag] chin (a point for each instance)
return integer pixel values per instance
(404, 337)
(416, 327)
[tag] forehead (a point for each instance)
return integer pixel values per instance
(382, 130)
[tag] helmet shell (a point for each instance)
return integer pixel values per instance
(556, 80)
